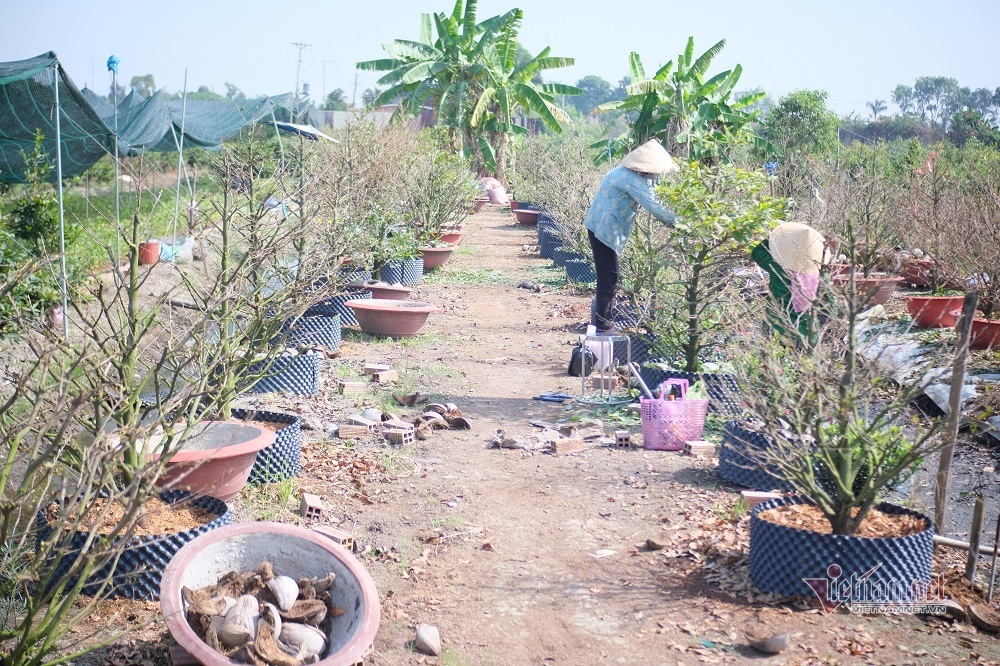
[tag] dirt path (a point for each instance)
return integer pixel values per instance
(499, 549)
(532, 559)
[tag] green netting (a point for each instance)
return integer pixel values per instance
(104, 108)
(27, 104)
(142, 123)
(208, 124)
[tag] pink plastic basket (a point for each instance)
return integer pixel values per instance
(697, 412)
(665, 423)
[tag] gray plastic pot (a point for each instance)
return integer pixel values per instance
(294, 551)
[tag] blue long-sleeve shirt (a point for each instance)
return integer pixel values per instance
(612, 214)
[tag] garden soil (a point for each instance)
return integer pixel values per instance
(602, 557)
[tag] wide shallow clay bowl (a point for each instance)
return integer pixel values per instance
(933, 311)
(525, 216)
(878, 290)
(435, 257)
(453, 237)
(985, 332)
(395, 319)
(389, 292)
(294, 551)
(216, 458)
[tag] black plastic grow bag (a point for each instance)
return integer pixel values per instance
(738, 460)
(292, 373)
(283, 459)
(580, 271)
(335, 305)
(324, 331)
(782, 558)
(138, 571)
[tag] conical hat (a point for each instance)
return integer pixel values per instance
(650, 157)
(797, 247)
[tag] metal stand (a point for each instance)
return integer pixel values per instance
(603, 378)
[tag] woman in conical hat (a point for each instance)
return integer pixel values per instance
(612, 215)
(792, 255)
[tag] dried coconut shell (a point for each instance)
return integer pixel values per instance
(266, 644)
(200, 602)
(312, 611)
(318, 584)
(285, 591)
(302, 640)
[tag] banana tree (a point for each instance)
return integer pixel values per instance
(509, 90)
(442, 68)
(692, 117)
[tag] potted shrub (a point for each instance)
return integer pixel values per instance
(840, 449)
(439, 190)
(721, 210)
(976, 238)
(863, 213)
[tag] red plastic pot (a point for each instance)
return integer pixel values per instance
(917, 272)
(453, 237)
(525, 216)
(294, 551)
(876, 290)
(985, 332)
(838, 269)
(389, 292)
(395, 319)
(478, 204)
(149, 253)
(435, 257)
(216, 458)
(933, 311)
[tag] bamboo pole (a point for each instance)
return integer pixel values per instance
(964, 327)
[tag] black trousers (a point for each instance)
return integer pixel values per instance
(606, 267)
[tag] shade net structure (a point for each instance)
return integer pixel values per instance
(27, 105)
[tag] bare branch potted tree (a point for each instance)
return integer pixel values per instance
(817, 427)
(864, 215)
(721, 210)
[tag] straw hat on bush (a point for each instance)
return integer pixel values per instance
(650, 157)
(797, 247)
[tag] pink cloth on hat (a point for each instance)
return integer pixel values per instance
(803, 287)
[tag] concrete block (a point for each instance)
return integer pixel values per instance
(345, 539)
(374, 368)
(566, 445)
(361, 421)
(350, 388)
(399, 437)
(699, 449)
(311, 506)
(752, 498)
(623, 439)
(353, 432)
(386, 376)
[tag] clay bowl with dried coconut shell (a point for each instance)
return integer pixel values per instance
(293, 551)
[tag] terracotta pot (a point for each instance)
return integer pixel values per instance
(985, 332)
(525, 216)
(389, 292)
(876, 290)
(395, 319)
(838, 269)
(453, 237)
(435, 257)
(294, 551)
(478, 205)
(216, 458)
(917, 272)
(933, 311)
(149, 253)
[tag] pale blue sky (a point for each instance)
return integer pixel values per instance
(857, 51)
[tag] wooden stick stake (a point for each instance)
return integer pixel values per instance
(978, 511)
(954, 410)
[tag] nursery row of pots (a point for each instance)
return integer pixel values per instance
(220, 457)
